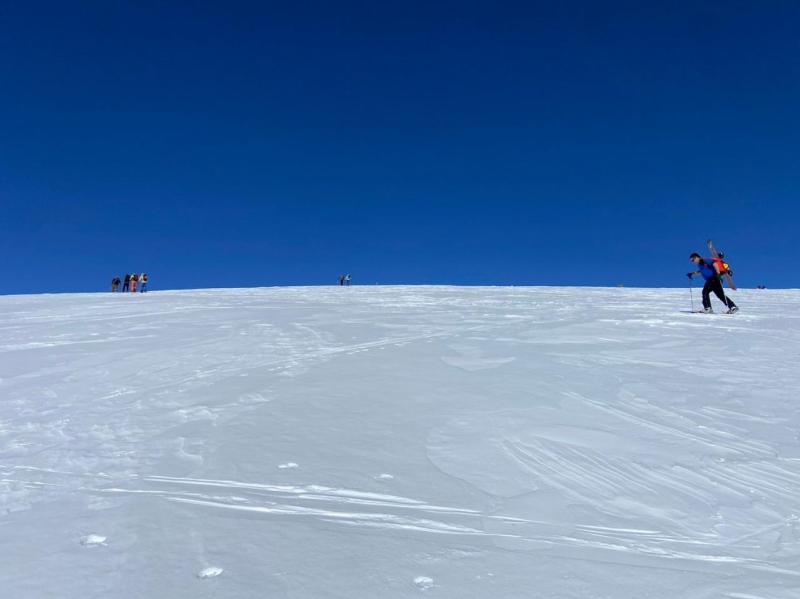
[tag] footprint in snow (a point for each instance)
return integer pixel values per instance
(423, 583)
(93, 540)
(288, 465)
(211, 572)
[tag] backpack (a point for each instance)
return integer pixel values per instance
(724, 267)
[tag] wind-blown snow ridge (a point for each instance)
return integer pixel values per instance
(364, 442)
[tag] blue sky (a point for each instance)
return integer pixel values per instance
(246, 144)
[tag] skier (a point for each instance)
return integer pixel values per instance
(134, 280)
(709, 270)
(143, 283)
(126, 283)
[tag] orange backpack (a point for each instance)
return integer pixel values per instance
(724, 267)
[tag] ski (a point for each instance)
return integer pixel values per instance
(716, 254)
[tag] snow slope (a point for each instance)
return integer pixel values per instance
(399, 442)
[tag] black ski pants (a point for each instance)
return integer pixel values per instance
(715, 285)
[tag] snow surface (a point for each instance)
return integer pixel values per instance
(399, 442)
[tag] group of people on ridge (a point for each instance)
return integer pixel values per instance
(131, 283)
(711, 269)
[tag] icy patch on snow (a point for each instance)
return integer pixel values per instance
(210, 572)
(424, 583)
(93, 540)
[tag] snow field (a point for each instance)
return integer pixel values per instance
(399, 442)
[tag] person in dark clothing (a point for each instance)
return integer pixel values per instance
(126, 283)
(709, 270)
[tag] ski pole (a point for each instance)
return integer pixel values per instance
(691, 293)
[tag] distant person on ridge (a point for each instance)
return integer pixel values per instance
(709, 270)
(143, 281)
(341, 280)
(134, 280)
(114, 284)
(126, 284)
(348, 279)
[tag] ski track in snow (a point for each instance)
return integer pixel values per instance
(591, 428)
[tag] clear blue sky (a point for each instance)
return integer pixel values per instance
(245, 144)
